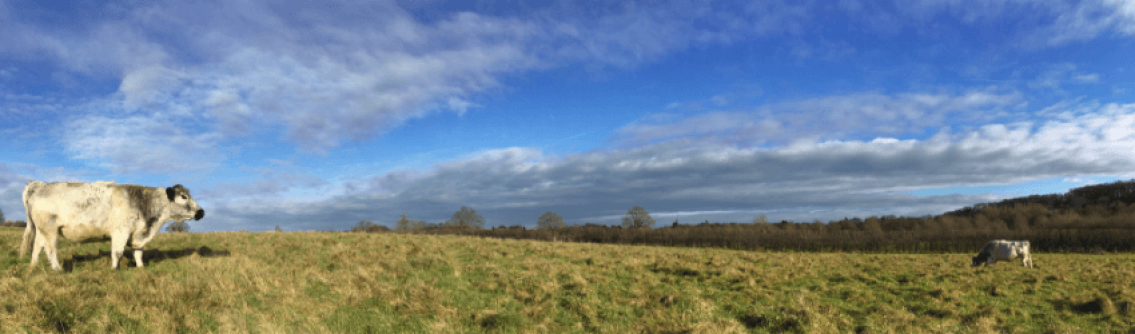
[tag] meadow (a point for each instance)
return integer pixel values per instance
(331, 282)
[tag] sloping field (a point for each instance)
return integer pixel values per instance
(322, 282)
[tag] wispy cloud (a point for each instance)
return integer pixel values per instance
(1090, 19)
(332, 74)
(271, 182)
(1054, 77)
(831, 117)
(1087, 78)
(141, 143)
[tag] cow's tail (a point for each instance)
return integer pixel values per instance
(29, 230)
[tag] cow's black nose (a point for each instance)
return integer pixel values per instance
(200, 214)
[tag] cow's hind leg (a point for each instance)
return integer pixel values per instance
(117, 247)
(37, 247)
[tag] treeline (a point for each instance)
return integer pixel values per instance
(1094, 228)
(1106, 194)
(744, 236)
(1097, 218)
(18, 224)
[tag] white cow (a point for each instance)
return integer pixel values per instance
(84, 211)
(1004, 250)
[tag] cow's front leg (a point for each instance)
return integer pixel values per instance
(138, 256)
(117, 247)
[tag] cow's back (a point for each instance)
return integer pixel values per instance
(85, 206)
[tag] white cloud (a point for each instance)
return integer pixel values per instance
(270, 185)
(1053, 77)
(626, 34)
(1049, 23)
(831, 117)
(141, 143)
(8, 72)
(1089, 19)
(1087, 78)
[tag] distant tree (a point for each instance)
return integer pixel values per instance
(637, 217)
(760, 219)
(406, 224)
(872, 225)
(278, 228)
(550, 221)
(466, 218)
(842, 225)
(178, 227)
(363, 226)
(2, 216)
(1019, 222)
(760, 223)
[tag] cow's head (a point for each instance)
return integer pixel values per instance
(182, 206)
(981, 258)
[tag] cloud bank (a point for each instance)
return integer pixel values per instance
(699, 178)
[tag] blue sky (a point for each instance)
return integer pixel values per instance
(317, 117)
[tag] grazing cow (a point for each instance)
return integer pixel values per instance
(1004, 250)
(85, 211)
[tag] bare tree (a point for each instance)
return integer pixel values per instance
(403, 224)
(760, 219)
(178, 227)
(637, 217)
(363, 226)
(549, 221)
(760, 223)
(466, 218)
(407, 224)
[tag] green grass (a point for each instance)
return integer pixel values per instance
(315, 282)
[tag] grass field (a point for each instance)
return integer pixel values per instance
(322, 282)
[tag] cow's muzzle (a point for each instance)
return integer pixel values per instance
(200, 214)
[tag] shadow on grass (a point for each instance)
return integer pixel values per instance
(1101, 304)
(149, 256)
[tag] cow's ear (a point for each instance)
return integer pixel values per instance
(169, 194)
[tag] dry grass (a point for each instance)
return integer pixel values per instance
(318, 282)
